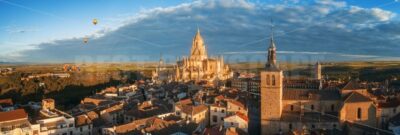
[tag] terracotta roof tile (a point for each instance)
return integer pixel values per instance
(13, 115)
(236, 103)
(220, 97)
(351, 85)
(356, 97)
(82, 120)
(6, 102)
(185, 101)
(190, 109)
(243, 116)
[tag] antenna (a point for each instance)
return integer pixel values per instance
(272, 29)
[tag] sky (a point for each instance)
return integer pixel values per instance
(239, 30)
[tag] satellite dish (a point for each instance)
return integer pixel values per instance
(94, 21)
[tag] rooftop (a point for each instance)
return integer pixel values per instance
(309, 117)
(82, 120)
(13, 115)
(306, 94)
(356, 97)
(6, 102)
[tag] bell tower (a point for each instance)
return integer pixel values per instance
(271, 93)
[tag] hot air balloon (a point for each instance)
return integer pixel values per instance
(94, 21)
(85, 40)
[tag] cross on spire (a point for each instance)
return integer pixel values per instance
(272, 28)
(272, 44)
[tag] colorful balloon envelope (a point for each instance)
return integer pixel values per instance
(94, 21)
(85, 40)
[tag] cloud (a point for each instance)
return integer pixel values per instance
(15, 29)
(338, 4)
(236, 26)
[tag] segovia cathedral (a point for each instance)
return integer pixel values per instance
(198, 67)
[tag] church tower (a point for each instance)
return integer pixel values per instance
(198, 51)
(271, 93)
(317, 70)
(161, 63)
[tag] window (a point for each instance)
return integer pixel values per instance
(223, 111)
(394, 110)
(334, 125)
(71, 133)
(215, 110)
(222, 118)
(290, 126)
(312, 107)
(214, 118)
(291, 108)
(273, 80)
(80, 129)
(268, 80)
(332, 107)
(359, 113)
(313, 126)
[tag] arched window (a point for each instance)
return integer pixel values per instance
(291, 107)
(332, 107)
(359, 113)
(290, 126)
(273, 80)
(268, 80)
(312, 107)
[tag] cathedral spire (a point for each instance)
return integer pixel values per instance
(271, 63)
(198, 50)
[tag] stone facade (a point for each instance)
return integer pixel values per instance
(271, 93)
(289, 108)
(198, 67)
